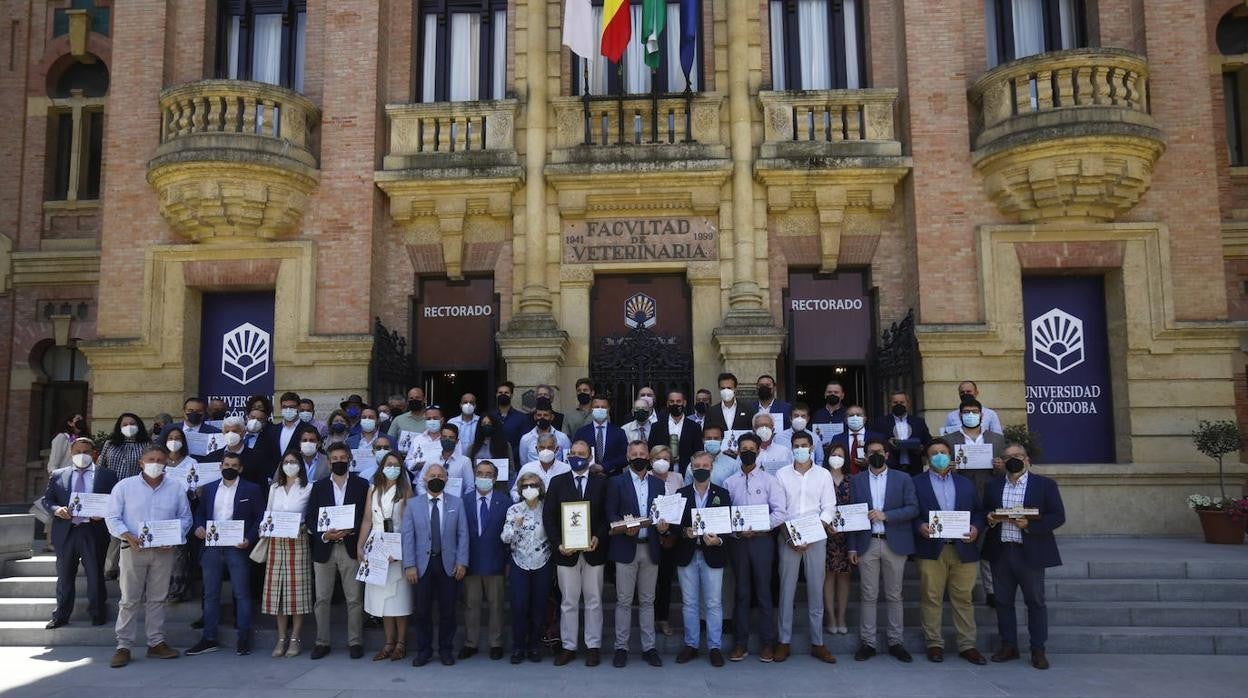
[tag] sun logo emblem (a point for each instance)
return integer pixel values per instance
(1057, 341)
(245, 353)
(640, 311)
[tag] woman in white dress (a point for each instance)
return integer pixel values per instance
(392, 602)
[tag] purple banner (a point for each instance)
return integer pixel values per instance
(236, 347)
(1067, 368)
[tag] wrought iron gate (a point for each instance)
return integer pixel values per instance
(896, 362)
(391, 370)
(624, 363)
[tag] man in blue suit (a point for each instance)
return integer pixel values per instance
(76, 538)
(435, 559)
(486, 511)
(882, 549)
(236, 499)
(1020, 549)
(855, 439)
(635, 551)
(946, 564)
(606, 439)
(907, 433)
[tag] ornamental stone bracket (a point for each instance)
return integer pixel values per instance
(831, 193)
(218, 200)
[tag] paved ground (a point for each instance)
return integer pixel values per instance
(84, 673)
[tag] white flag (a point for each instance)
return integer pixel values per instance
(579, 32)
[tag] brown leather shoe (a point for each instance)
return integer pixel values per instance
(162, 651)
(738, 653)
(564, 657)
(1005, 653)
(935, 654)
(767, 655)
(686, 655)
(1038, 660)
(594, 658)
(781, 653)
(120, 658)
(973, 656)
(821, 653)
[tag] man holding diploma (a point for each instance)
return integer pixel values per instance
(78, 538)
(946, 563)
(700, 560)
(145, 572)
(334, 551)
(635, 551)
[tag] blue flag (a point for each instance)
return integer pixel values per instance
(690, 23)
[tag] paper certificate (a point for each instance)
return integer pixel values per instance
(717, 520)
(195, 476)
(829, 430)
(161, 533)
(405, 441)
(223, 534)
(88, 505)
(500, 463)
(575, 525)
(388, 545)
(851, 517)
(668, 508)
(751, 517)
(365, 462)
(806, 529)
(949, 524)
(280, 524)
(374, 569)
(972, 456)
(200, 444)
(336, 518)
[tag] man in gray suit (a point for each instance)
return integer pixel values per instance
(882, 549)
(972, 430)
(435, 559)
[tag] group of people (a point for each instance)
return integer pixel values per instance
(460, 502)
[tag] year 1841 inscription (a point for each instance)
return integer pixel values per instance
(640, 240)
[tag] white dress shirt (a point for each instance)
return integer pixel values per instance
(288, 432)
(785, 438)
(340, 493)
(296, 499)
(528, 445)
(223, 505)
(637, 432)
(879, 485)
(423, 449)
(808, 492)
(558, 467)
(467, 430)
(862, 443)
(730, 414)
(774, 456)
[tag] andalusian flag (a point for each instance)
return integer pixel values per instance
(617, 28)
(653, 17)
(579, 33)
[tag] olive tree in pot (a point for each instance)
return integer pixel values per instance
(1222, 518)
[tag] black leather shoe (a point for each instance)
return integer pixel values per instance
(320, 651)
(864, 653)
(466, 651)
(243, 648)
(448, 660)
(687, 654)
(594, 658)
(98, 621)
(518, 658)
(496, 653)
(900, 653)
(420, 660)
(356, 651)
(535, 656)
(621, 659)
(717, 658)
(652, 658)
(55, 623)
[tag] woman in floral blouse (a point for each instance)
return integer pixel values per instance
(530, 568)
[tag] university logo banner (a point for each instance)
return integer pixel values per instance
(236, 348)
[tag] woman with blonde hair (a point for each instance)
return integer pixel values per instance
(392, 602)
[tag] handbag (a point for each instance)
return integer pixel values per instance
(260, 553)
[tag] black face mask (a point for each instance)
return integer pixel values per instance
(748, 457)
(699, 407)
(701, 475)
(640, 416)
(543, 423)
(583, 398)
(1014, 466)
(194, 418)
(503, 399)
(486, 430)
(415, 405)
(340, 468)
(229, 474)
(899, 410)
(966, 398)
(338, 427)
(876, 461)
(832, 400)
(676, 410)
(436, 485)
(764, 392)
(217, 415)
(639, 465)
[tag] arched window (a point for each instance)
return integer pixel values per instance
(462, 49)
(1232, 38)
(817, 45)
(1020, 28)
(75, 143)
(262, 40)
(60, 391)
(631, 75)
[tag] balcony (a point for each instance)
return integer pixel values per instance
(235, 160)
(448, 163)
(1066, 136)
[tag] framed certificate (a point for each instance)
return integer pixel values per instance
(574, 517)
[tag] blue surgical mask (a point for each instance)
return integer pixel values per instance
(711, 446)
(939, 462)
(391, 472)
(485, 484)
(801, 454)
(970, 420)
(599, 414)
(854, 422)
(433, 424)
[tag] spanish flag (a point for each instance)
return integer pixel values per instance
(617, 28)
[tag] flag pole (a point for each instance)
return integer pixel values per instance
(654, 105)
(589, 137)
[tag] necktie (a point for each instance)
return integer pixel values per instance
(853, 452)
(642, 432)
(435, 527)
(602, 442)
(481, 518)
(580, 485)
(80, 485)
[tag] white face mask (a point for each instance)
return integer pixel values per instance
(81, 460)
(801, 454)
(799, 424)
(468, 409)
(291, 469)
(649, 400)
(289, 414)
(173, 445)
(836, 462)
(129, 431)
(232, 439)
(661, 466)
(433, 425)
(383, 415)
(529, 493)
(727, 394)
(546, 456)
(854, 422)
(153, 470)
(254, 426)
(306, 416)
(307, 448)
(368, 424)
(764, 433)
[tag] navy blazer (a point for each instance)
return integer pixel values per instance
(486, 551)
(563, 489)
(255, 468)
(1039, 545)
(900, 506)
(689, 444)
(323, 496)
(616, 456)
(622, 500)
(918, 431)
(716, 556)
(58, 493)
(964, 500)
(248, 507)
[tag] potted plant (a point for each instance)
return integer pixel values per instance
(1222, 518)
